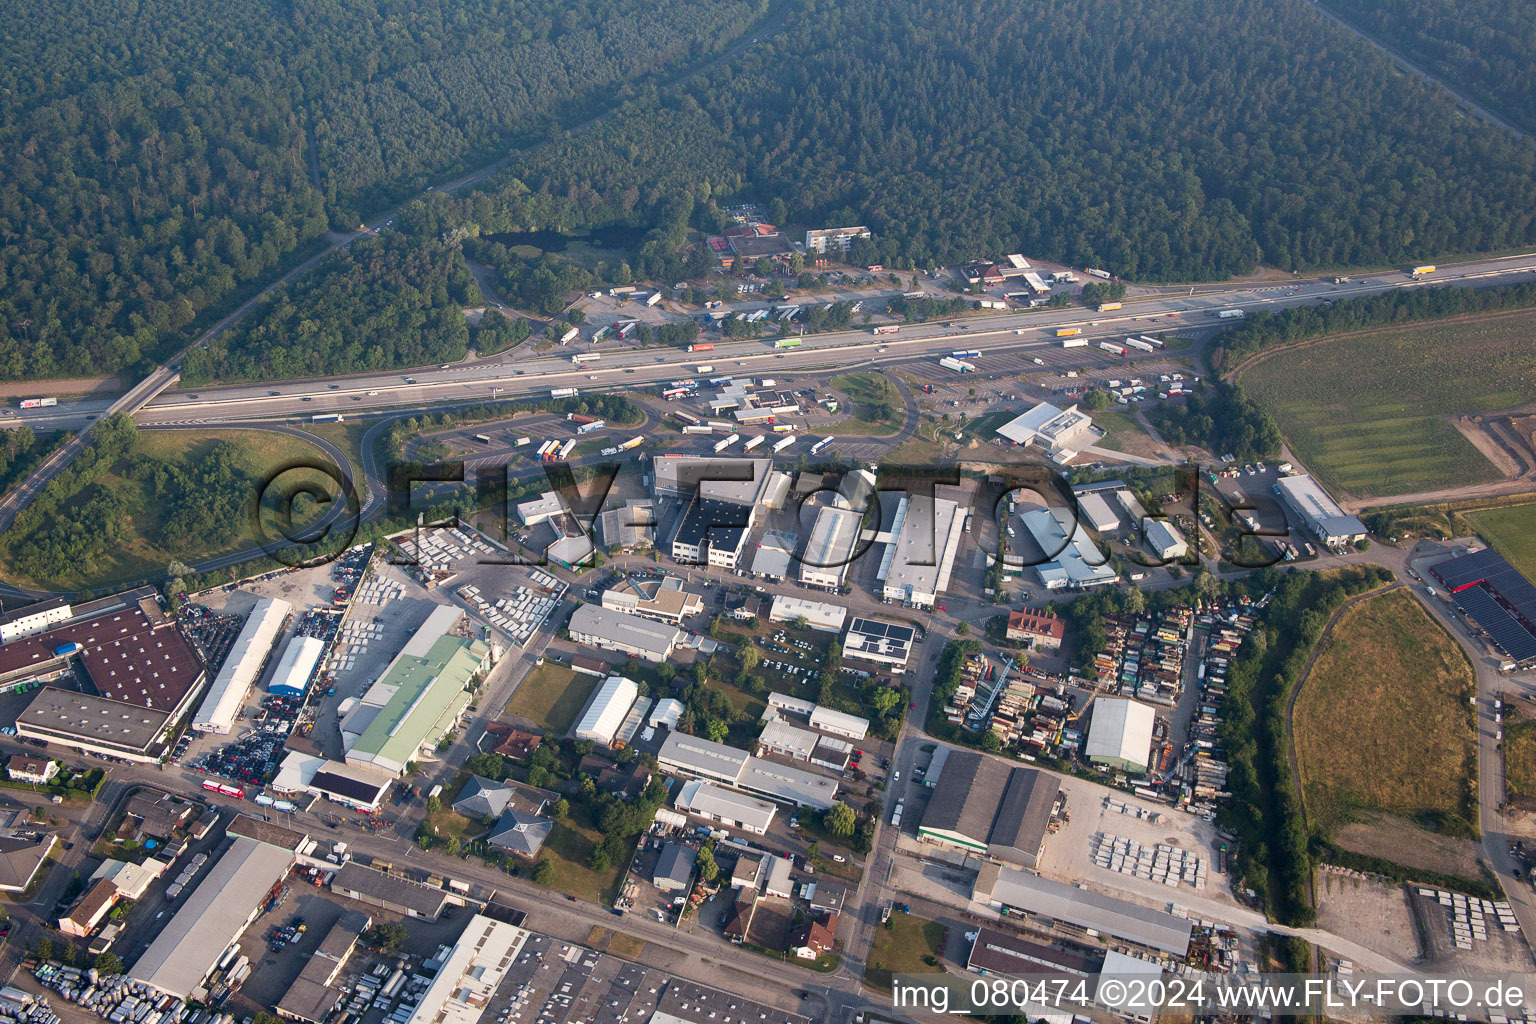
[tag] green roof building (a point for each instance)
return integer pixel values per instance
(418, 699)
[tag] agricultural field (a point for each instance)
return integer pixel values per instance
(1511, 531)
(1371, 414)
(1383, 723)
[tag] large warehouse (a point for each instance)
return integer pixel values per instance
(696, 757)
(1120, 734)
(470, 973)
(619, 631)
(216, 913)
(916, 565)
(606, 712)
(243, 666)
(1061, 433)
(830, 549)
(1500, 600)
(1075, 561)
(418, 699)
(1094, 913)
(991, 808)
(138, 677)
(291, 677)
(1306, 500)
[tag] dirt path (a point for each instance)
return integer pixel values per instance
(1497, 489)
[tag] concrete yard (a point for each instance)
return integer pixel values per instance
(1367, 910)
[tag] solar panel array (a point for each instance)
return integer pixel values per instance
(1497, 597)
(877, 637)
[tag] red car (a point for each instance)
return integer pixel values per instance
(912, 706)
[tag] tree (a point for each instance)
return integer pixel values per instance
(538, 776)
(835, 655)
(1206, 585)
(575, 316)
(750, 658)
(1096, 400)
(544, 872)
(387, 938)
(562, 808)
(991, 741)
(452, 846)
(434, 804)
(666, 671)
(716, 730)
(708, 869)
(1135, 601)
(108, 964)
(840, 820)
(963, 629)
(885, 699)
(44, 947)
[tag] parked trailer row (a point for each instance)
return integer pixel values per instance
(1139, 345)
(754, 442)
(959, 366)
(1150, 340)
(698, 428)
(1109, 346)
(784, 442)
(687, 417)
(819, 445)
(721, 446)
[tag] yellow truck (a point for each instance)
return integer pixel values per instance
(1068, 332)
(1105, 307)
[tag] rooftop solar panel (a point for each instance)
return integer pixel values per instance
(1499, 623)
(1468, 569)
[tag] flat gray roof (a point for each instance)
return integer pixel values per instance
(623, 629)
(1042, 897)
(212, 917)
(388, 889)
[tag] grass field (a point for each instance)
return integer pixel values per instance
(1119, 427)
(261, 454)
(1520, 759)
(1383, 721)
(568, 848)
(1368, 414)
(552, 695)
(878, 407)
(900, 949)
(1512, 533)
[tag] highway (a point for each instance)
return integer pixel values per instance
(515, 374)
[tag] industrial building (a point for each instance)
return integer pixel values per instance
(774, 555)
(988, 807)
(668, 602)
(819, 717)
(696, 757)
(884, 643)
(92, 906)
(674, 868)
(34, 618)
(1041, 630)
(607, 710)
(726, 807)
(1094, 914)
(135, 668)
(1120, 734)
(416, 701)
(997, 952)
(788, 740)
(736, 481)
(828, 618)
(311, 997)
(630, 635)
(470, 973)
(211, 917)
(243, 665)
(1311, 506)
(21, 857)
(830, 549)
(388, 892)
(1164, 540)
(630, 527)
(1497, 597)
(916, 565)
(711, 532)
(540, 509)
(296, 666)
(1077, 564)
(1060, 433)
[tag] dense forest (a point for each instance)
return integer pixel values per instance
(382, 302)
(157, 153)
(1186, 146)
(1484, 48)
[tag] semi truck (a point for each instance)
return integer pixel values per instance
(1428, 268)
(786, 343)
(1154, 342)
(1140, 345)
(706, 347)
(1074, 342)
(39, 403)
(698, 428)
(569, 336)
(1105, 307)
(959, 366)
(654, 299)
(634, 442)
(722, 445)
(1095, 272)
(887, 329)
(587, 428)
(1068, 332)
(1109, 346)
(327, 417)
(563, 392)
(1231, 314)
(819, 445)
(754, 442)
(706, 368)
(782, 443)
(520, 442)
(586, 357)
(967, 353)
(483, 438)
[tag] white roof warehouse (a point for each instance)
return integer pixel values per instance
(213, 916)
